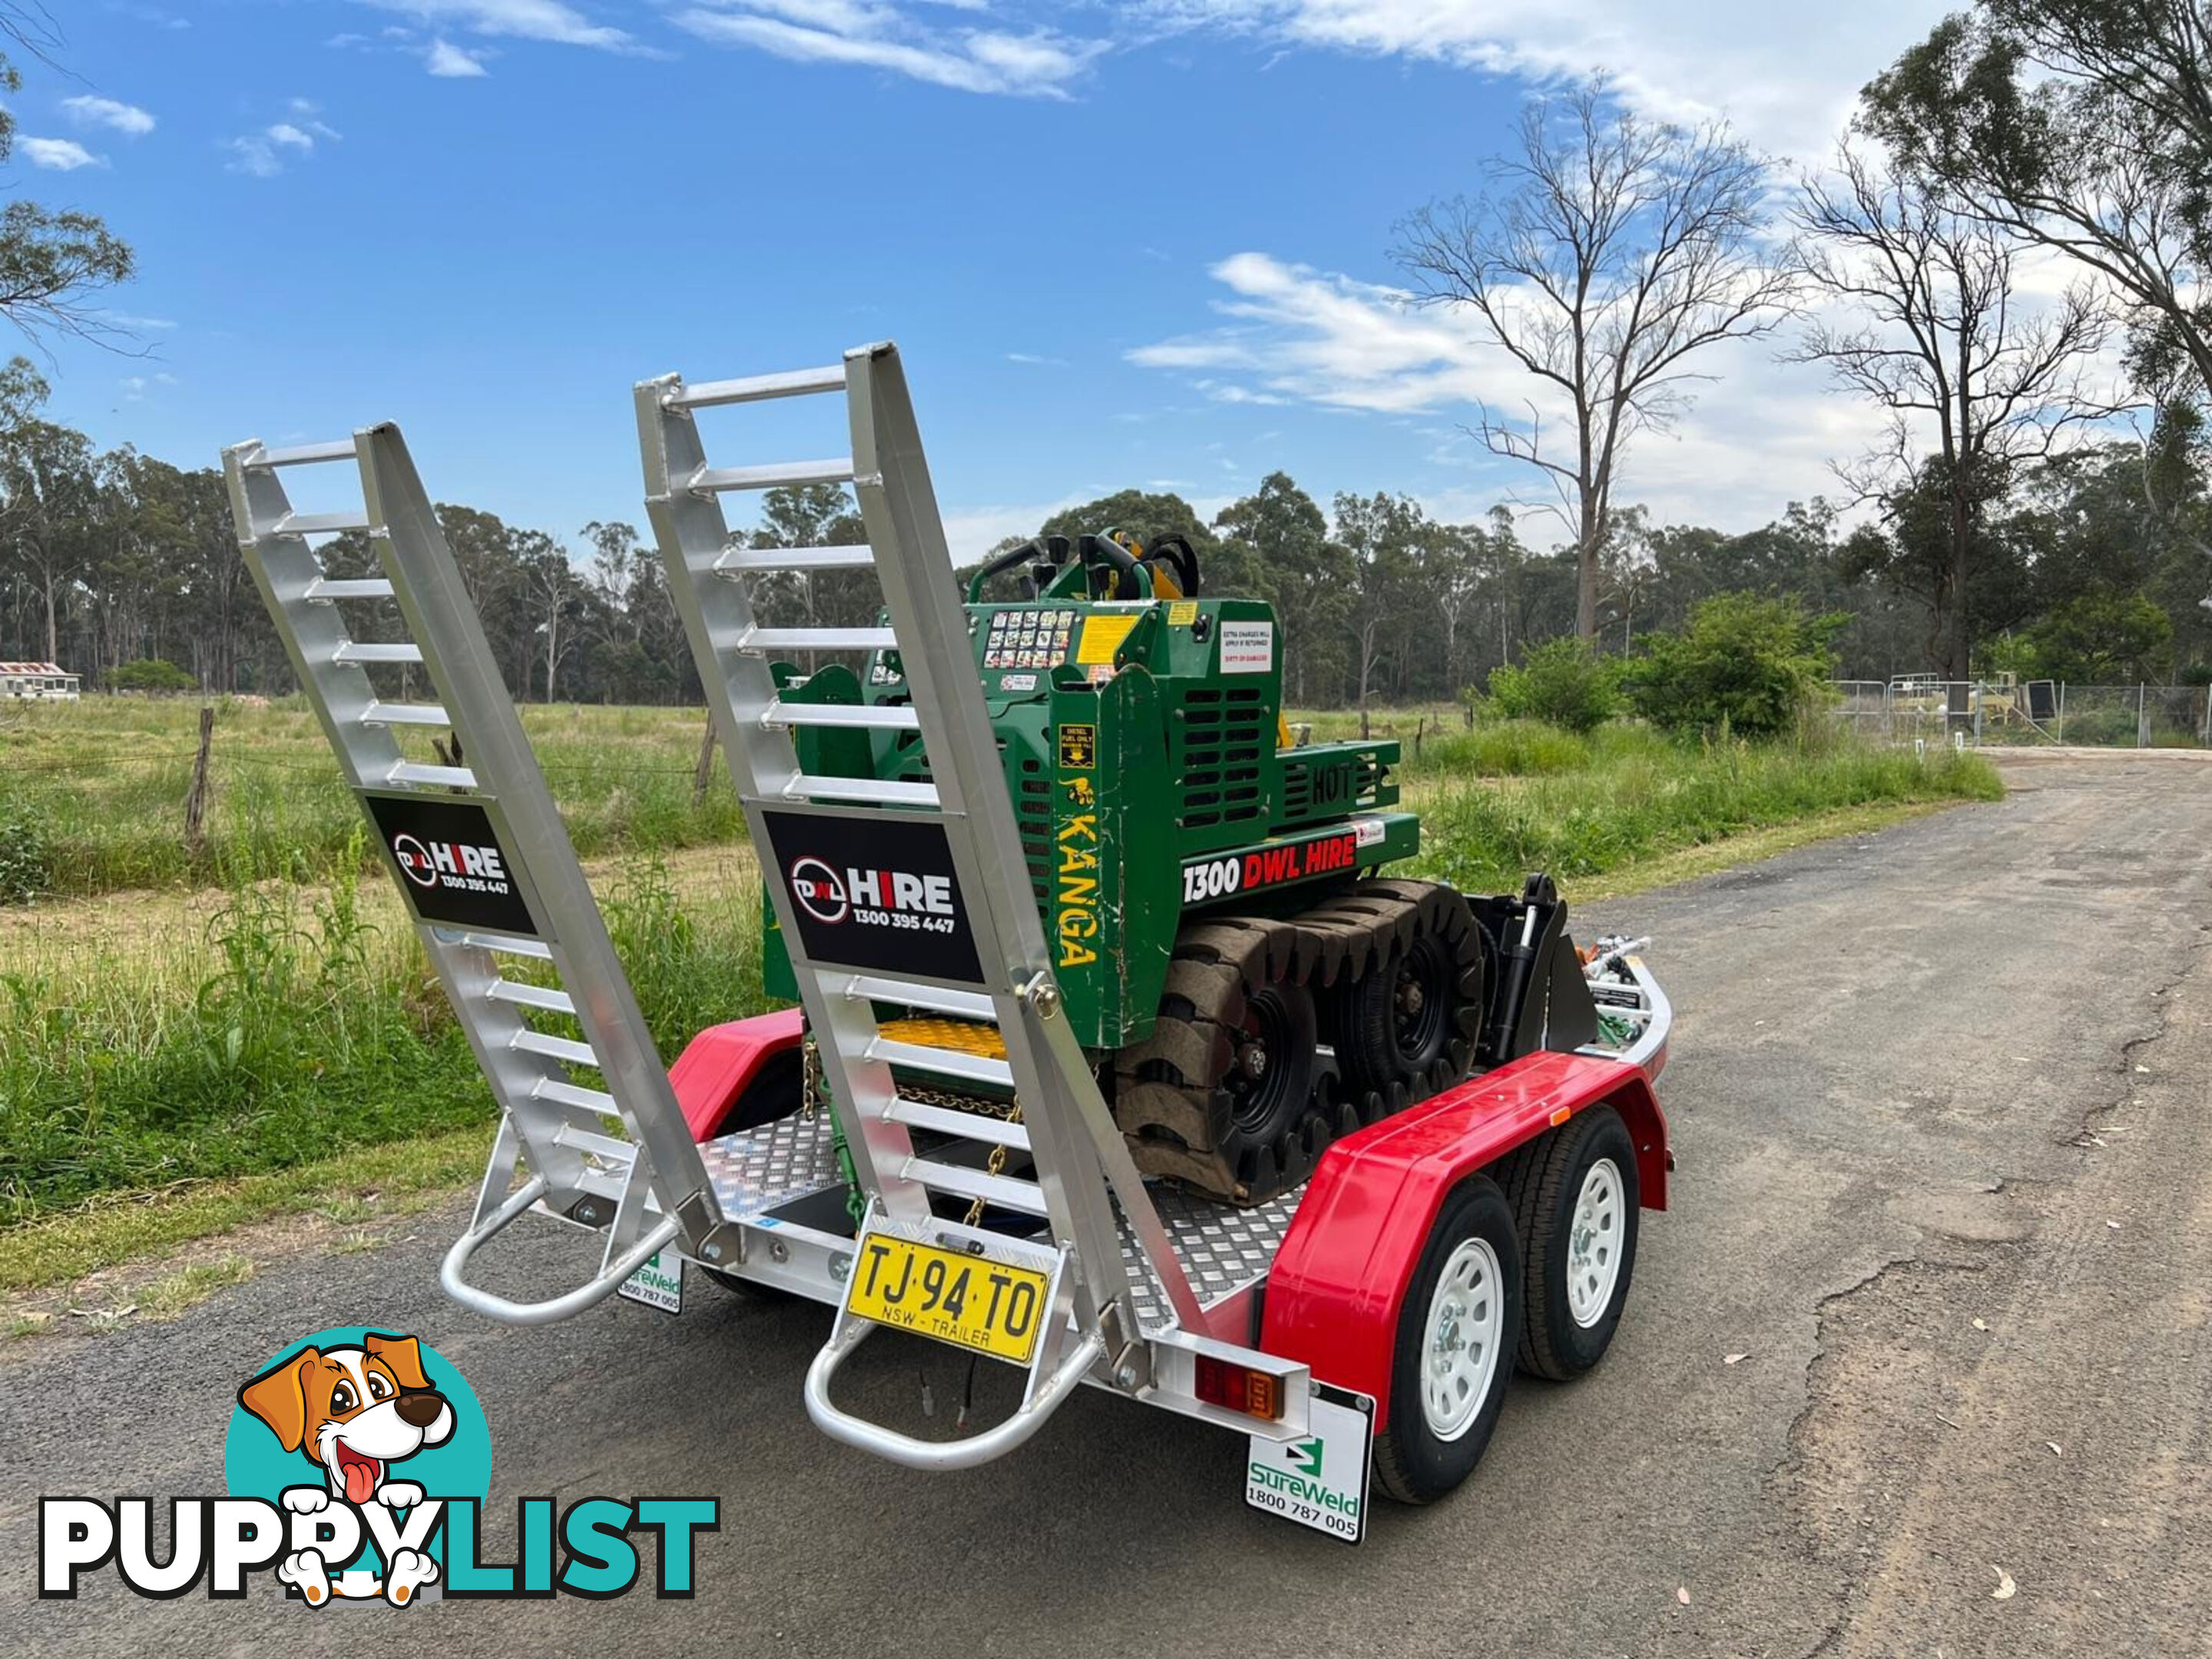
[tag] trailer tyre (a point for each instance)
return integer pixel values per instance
(1575, 1194)
(1452, 1356)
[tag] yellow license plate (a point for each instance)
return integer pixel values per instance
(965, 1300)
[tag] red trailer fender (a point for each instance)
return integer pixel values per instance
(1340, 1280)
(717, 1066)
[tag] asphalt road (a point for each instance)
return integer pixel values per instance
(1954, 1072)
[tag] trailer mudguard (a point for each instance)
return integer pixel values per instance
(1333, 1296)
(721, 1063)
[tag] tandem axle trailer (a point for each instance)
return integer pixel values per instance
(1364, 1322)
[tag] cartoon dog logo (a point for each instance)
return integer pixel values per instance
(354, 1412)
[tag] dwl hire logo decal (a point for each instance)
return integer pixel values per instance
(358, 1463)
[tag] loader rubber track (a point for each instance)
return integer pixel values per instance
(1191, 1099)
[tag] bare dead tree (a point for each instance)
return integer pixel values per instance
(1927, 322)
(1601, 258)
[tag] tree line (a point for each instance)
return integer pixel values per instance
(2037, 500)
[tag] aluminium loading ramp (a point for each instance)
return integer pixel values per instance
(909, 894)
(481, 856)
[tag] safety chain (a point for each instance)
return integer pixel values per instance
(810, 1093)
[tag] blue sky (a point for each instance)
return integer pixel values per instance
(1140, 244)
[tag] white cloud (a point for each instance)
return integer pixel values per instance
(1034, 360)
(125, 320)
(449, 61)
(126, 119)
(62, 155)
(1786, 75)
(524, 19)
(254, 156)
(1303, 336)
(261, 155)
(970, 533)
(1761, 435)
(1038, 63)
(135, 387)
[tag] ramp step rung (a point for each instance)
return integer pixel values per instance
(355, 651)
(530, 996)
(783, 474)
(606, 1147)
(739, 560)
(809, 785)
(964, 1004)
(553, 1047)
(816, 639)
(318, 524)
(969, 1125)
(404, 714)
(514, 947)
(448, 777)
(338, 449)
(875, 717)
(1001, 1190)
(755, 388)
(574, 1094)
(330, 588)
(941, 1063)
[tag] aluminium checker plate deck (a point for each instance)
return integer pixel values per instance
(1224, 1250)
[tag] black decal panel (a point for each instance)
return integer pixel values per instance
(876, 893)
(452, 868)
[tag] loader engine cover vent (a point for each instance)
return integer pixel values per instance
(1220, 739)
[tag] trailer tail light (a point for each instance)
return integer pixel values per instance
(1240, 1389)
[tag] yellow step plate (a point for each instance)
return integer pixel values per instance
(960, 1036)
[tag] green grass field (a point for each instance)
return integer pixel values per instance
(261, 1006)
(102, 784)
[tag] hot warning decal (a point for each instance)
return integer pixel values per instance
(875, 892)
(1203, 879)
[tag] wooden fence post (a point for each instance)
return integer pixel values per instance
(196, 801)
(703, 774)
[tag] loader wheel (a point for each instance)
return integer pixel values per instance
(1576, 1197)
(1454, 1352)
(1224, 1095)
(1271, 1068)
(1415, 1017)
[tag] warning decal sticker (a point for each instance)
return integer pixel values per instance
(1248, 647)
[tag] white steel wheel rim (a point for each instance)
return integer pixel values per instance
(1460, 1341)
(1595, 1242)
